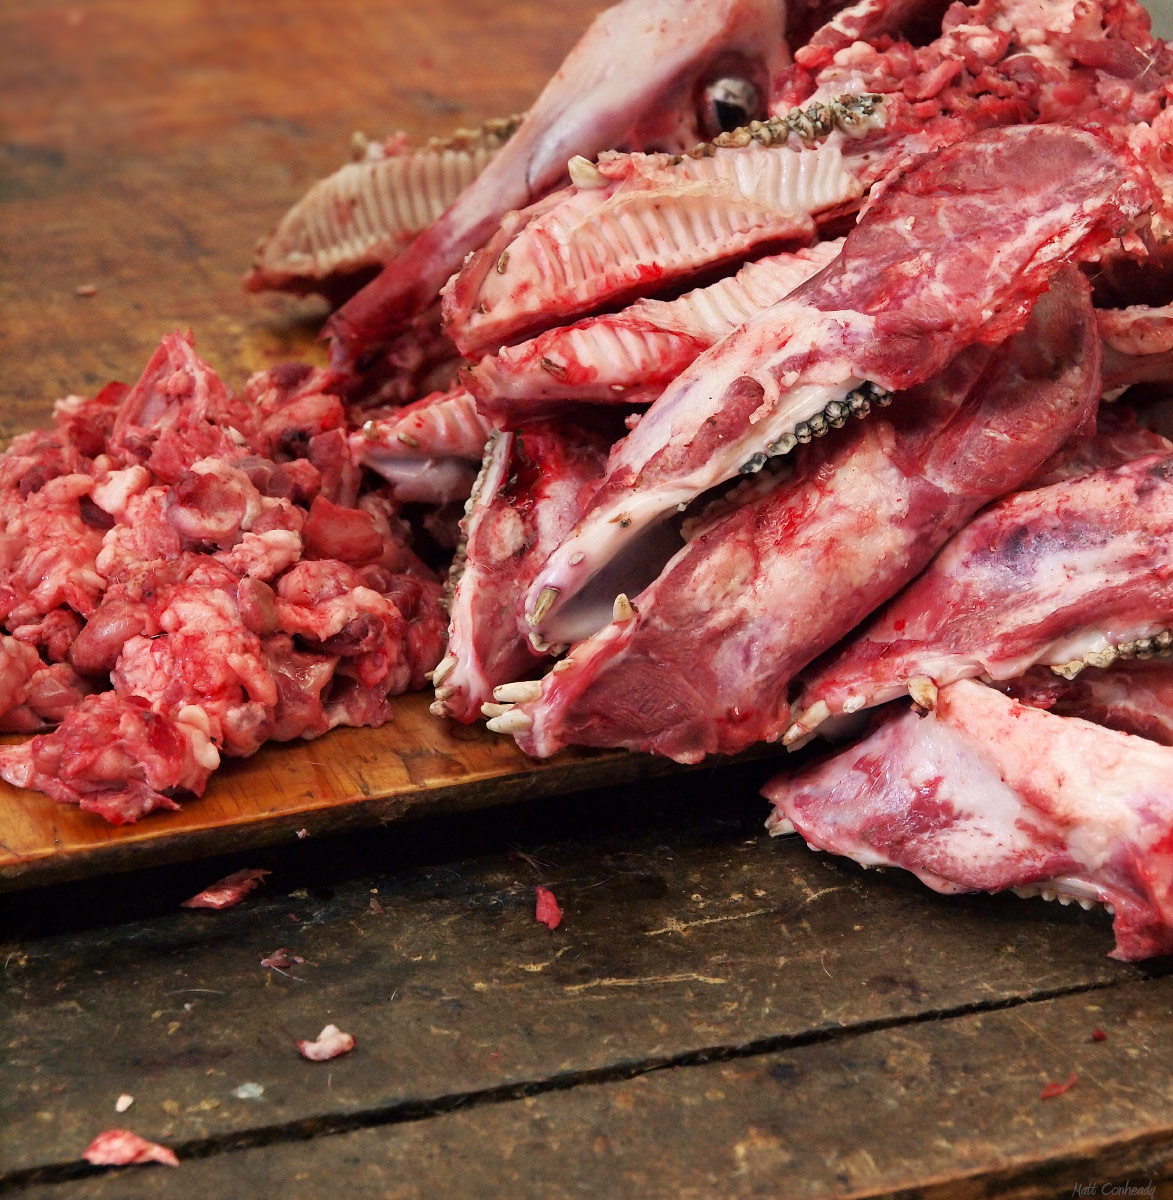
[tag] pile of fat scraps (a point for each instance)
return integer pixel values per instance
(187, 574)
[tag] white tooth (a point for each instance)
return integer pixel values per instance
(445, 668)
(563, 664)
(584, 174)
(517, 693)
(438, 709)
(489, 709)
(1087, 905)
(1025, 893)
(1110, 909)
(780, 826)
(443, 693)
(809, 846)
(513, 721)
(798, 742)
(545, 602)
(1065, 900)
(1048, 894)
(923, 692)
(809, 720)
(854, 703)
(623, 609)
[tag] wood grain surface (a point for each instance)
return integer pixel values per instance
(149, 146)
(719, 1014)
(707, 988)
(414, 764)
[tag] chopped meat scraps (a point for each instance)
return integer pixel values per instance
(186, 574)
(226, 892)
(120, 1148)
(546, 910)
(330, 1043)
(1057, 1089)
(281, 960)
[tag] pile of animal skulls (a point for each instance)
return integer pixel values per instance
(795, 365)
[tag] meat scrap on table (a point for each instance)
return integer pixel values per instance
(612, 359)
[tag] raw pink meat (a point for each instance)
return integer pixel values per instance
(702, 662)
(120, 1148)
(629, 356)
(986, 794)
(531, 491)
(636, 78)
(922, 276)
(330, 1043)
(1059, 575)
(1133, 696)
(212, 561)
(546, 910)
(229, 891)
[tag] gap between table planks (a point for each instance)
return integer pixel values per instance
(414, 764)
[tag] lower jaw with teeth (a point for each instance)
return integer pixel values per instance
(857, 402)
(1158, 645)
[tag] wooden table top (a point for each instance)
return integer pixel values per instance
(719, 1014)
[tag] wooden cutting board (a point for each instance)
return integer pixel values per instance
(416, 764)
(147, 148)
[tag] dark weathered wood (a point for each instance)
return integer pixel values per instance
(940, 1110)
(697, 934)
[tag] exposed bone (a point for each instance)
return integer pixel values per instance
(460, 557)
(857, 403)
(494, 132)
(1159, 645)
(365, 212)
(513, 721)
(852, 115)
(517, 693)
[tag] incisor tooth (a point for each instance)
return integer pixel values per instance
(517, 693)
(780, 826)
(443, 693)
(563, 664)
(489, 709)
(623, 609)
(923, 692)
(443, 669)
(814, 716)
(584, 174)
(513, 721)
(546, 598)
